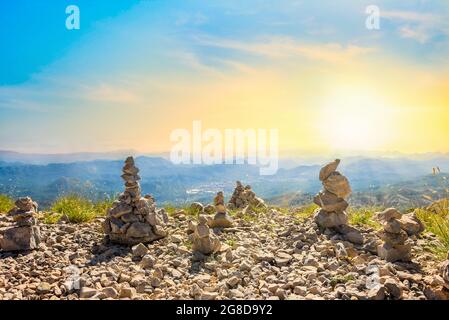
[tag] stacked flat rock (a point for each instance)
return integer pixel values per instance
(332, 199)
(25, 233)
(221, 219)
(203, 240)
(396, 246)
(133, 219)
(332, 203)
(243, 197)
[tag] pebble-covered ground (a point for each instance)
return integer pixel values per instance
(275, 255)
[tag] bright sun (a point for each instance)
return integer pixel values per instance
(355, 121)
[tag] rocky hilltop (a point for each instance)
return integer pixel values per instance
(240, 250)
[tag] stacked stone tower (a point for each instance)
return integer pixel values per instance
(24, 234)
(133, 219)
(332, 200)
(396, 246)
(243, 197)
(332, 203)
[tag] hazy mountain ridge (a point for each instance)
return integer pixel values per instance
(169, 183)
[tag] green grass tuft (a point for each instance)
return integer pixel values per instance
(364, 217)
(341, 279)
(304, 212)
(77, 209)
(6, 203)
(438, 224)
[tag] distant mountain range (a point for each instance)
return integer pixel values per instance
(372, 179)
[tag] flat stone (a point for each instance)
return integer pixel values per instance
(328, 169)
(337, 184)
(330, 202)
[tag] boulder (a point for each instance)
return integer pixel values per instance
(20, 238)
(330, 219)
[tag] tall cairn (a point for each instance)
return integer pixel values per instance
(24, 234)
(332, 203)
(133, 219)
(221, 219)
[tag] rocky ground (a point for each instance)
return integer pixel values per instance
(272, 256)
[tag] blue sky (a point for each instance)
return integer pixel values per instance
(156, 58)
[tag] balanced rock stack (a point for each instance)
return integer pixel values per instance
(25, 234)
(396, 246)
(203, 240)
(243, 197)
(133, 219)
(332, 201)
(221, 218)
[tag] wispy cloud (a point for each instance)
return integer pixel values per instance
(109, 93)
(283, 47)
(421, 27)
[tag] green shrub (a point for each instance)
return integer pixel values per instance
(6, 203)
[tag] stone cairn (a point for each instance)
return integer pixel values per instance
(243, 197)
(396, 246)
(332, 203)
(203, 240)
(25, 233)
(133, 219)
(221, 219)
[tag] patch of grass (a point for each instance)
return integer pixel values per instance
(170, 210)
(189, 211)
(51, 217)
(188, 244)
(249, 217)
(233, 212)
(364, 217)
(102, 206)
(283, 210)
(341, 279)
(438, 224)
(304, 212)
(77, 209)
(6, 203)
(193, 212)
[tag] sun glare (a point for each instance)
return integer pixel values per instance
(355, 121)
